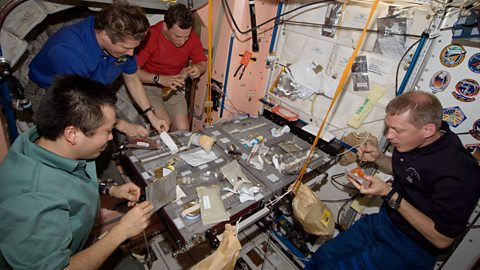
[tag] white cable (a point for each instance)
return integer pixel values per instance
(276, 200)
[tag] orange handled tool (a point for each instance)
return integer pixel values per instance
(243, 64)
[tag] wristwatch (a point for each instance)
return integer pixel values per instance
(395, 204)
(148, 110)
(388, 199)
(104, 186)
(156, 78)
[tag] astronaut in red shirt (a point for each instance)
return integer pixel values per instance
(170, 54)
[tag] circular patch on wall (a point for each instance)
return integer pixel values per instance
(466, 90)
(440, 80)
(475, 131)
(452, 55)
(474, 63)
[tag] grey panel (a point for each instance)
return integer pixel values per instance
(190, 231)
(238, 131)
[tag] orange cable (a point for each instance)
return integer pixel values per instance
(340, 85)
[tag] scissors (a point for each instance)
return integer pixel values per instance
(243, 64)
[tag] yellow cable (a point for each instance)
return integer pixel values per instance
(209, 65)
(340, 85)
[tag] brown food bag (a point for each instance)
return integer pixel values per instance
(315, 217)
(225, 257)
(355, 139)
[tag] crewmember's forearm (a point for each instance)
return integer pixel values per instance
(94, 256)
(202, 67)
(120, 125)
(385, 164)
(136, 89)
(423, 224)
(144, 76)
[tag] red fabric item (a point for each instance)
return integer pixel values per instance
(158, 55)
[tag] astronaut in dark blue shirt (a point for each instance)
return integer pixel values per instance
(435, 189)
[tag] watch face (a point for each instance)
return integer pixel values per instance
(394, 205)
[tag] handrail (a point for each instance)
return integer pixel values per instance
(5, 91)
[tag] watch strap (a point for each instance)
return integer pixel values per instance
(396, 204)
(149, 109)
(389, 195)
(104, 187)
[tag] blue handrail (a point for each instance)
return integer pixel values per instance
(275, 27)
(7, 106)
(227, 71)
(413, 63)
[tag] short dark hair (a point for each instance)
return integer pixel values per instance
(424, 108)
(73, 100)
(121, 20)
(180, 15)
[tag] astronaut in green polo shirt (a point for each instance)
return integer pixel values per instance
(49, 188)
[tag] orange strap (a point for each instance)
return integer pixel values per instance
(346, 72)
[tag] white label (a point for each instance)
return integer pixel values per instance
(144, 144)
(216, 133)
(186, 172)
(206, 202)
(201, 167)
(145, 175)
(224, 140)
(178, 223)
(273, 178)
